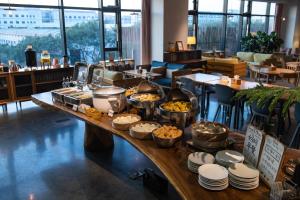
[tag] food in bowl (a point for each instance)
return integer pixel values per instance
(147, 97)
(93, 113)
(209, 128)
(130, 91)
(167, 132)
(128, 119)
(177, 106)
(145, 127)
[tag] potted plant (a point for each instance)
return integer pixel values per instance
(261, 42)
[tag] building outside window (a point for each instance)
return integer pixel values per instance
(84, 38)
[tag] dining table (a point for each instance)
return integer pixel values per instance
(204, 80)
(274, 73)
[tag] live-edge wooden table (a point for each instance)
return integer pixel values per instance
(172, 162)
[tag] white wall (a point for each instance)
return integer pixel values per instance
(175, 21)
(169, 23)
(157, 29)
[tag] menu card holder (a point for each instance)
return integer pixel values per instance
(252, 146)
(270, 160)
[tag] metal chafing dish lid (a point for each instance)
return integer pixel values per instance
(177, 94)
(108, 91)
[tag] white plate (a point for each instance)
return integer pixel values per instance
(243, 188)
(244, 184)
(213, 181)
(201, 158)
(243, 171)
(213, 184)
(213, 172)
(243, 180)
(213, 188)
(229, 156)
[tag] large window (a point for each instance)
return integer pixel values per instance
(210, 31)
(83, 33)
(39, 27)
(84, 30)
(222, 23)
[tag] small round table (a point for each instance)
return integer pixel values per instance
(278, 72)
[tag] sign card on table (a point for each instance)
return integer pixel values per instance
(270, 159)
(252, 145)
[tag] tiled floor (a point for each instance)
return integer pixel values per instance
(42, 156)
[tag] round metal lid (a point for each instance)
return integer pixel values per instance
(108, 91)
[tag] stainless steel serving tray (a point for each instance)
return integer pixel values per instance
(59, 94)
(74, 100)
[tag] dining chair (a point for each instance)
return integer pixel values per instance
(226, 103)
(296, 136)
(210, 89)
(188, 84)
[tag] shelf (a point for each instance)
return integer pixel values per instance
(48, 82)
(3, 88)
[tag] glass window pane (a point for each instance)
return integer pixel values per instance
(273, 9)
(258, 23)
(37, 26)
(246, 3)
(232, 34)
(191, 25)
(131, 4)
(112, 54)
(234, 6)
(85, 3)
(131, 35)
(191, 4)
(32, 2)
(210, 32)
(271, 27)
(259, 8)
(83, 35)
(109, 3)
(110, 30)
(211, 5)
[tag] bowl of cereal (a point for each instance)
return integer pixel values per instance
(143, 129)
(123, 121)
(166, 136)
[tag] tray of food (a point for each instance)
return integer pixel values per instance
(143, 129)
(59, 94)
(166, 136)
(78, 98)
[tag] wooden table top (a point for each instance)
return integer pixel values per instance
(172, 162)
(135, 72)
(243, 86)
(201, 77)
(277, 71)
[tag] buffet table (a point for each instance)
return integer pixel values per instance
(172, 162)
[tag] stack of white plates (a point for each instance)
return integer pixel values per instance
(213, 177)
(227, 157)
(195, 160)
(243, 177)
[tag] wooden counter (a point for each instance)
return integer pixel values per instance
(172, 162)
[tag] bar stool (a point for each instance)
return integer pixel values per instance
(225, 97)
(296, 133)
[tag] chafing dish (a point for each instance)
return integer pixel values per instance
(180, 119)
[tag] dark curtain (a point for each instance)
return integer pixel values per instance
(278, 18)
